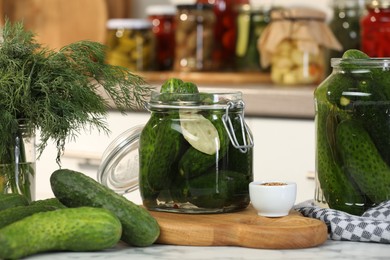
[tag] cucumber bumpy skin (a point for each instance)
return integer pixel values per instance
(75, 189)
(11, 200)
(14, 214)
(168, 141)
(363, 161)
(338, 190)
(68, 229)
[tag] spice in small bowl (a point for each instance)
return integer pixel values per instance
(272, 198)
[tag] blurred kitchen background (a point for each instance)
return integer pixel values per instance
(279, 102)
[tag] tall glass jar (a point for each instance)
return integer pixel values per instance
(345, 25)
(225, 32)
(251, 22)
(375, 25)
(353, 135)
(162, 17)
(18, 163)
(194, 40)
(130, 43)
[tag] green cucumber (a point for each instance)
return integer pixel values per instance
(175, 90)
(354, 54)
(52, 202)
(10, 200)
(167, 146)
(74, 189)
(216, 189)
(171, 85)
(194, 162)
(146, 150)
(363, 161)
(69, 229)
(339, 191)
(14, 214)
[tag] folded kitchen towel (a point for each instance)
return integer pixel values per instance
(372, 226)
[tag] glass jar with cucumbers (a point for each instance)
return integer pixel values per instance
(353, 134)
(195, 154)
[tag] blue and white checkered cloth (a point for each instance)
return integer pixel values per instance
(372, 226)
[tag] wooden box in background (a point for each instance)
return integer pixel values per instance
(60, 22)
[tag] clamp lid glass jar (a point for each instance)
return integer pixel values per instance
(353, 135)
(195, 154)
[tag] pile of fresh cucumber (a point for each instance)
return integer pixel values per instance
(83, 216)
(353, 133)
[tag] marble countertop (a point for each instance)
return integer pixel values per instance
(329, 250)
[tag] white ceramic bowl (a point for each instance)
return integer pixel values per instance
(272, 198)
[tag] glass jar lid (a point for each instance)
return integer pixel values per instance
(201, 100)
(128, 24)
(160, 10)
(383, 63)
(120, 166)
(378, 4)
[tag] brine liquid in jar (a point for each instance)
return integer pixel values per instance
(353, 135)
(188, 163)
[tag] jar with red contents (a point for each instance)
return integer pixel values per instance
(225, 31)
(162, 18)
(375, 29)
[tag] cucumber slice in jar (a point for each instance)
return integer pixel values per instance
(199, 132)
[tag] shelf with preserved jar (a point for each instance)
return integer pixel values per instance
(375, 29)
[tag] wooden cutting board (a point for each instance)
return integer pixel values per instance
(244, 228)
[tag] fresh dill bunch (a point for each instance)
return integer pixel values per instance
(58, 92)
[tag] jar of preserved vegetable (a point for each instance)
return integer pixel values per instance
(162, 17)
(375, 29)
(194, 38)
(195, 153)
(130, 43)
(251, 22)
(353, 134)
(345, 25)
(225, 32)
(294, 44)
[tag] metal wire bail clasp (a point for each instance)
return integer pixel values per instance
(246, 134)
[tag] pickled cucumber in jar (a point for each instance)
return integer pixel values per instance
(188, 163)
(130, 43)
(353, 134)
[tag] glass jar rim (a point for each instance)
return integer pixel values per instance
(368, 62)
(381, 4)
(202, 100)
(131, 23)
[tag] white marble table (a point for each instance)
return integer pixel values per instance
(328, 250)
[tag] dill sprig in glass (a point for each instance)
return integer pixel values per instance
(57, 92)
